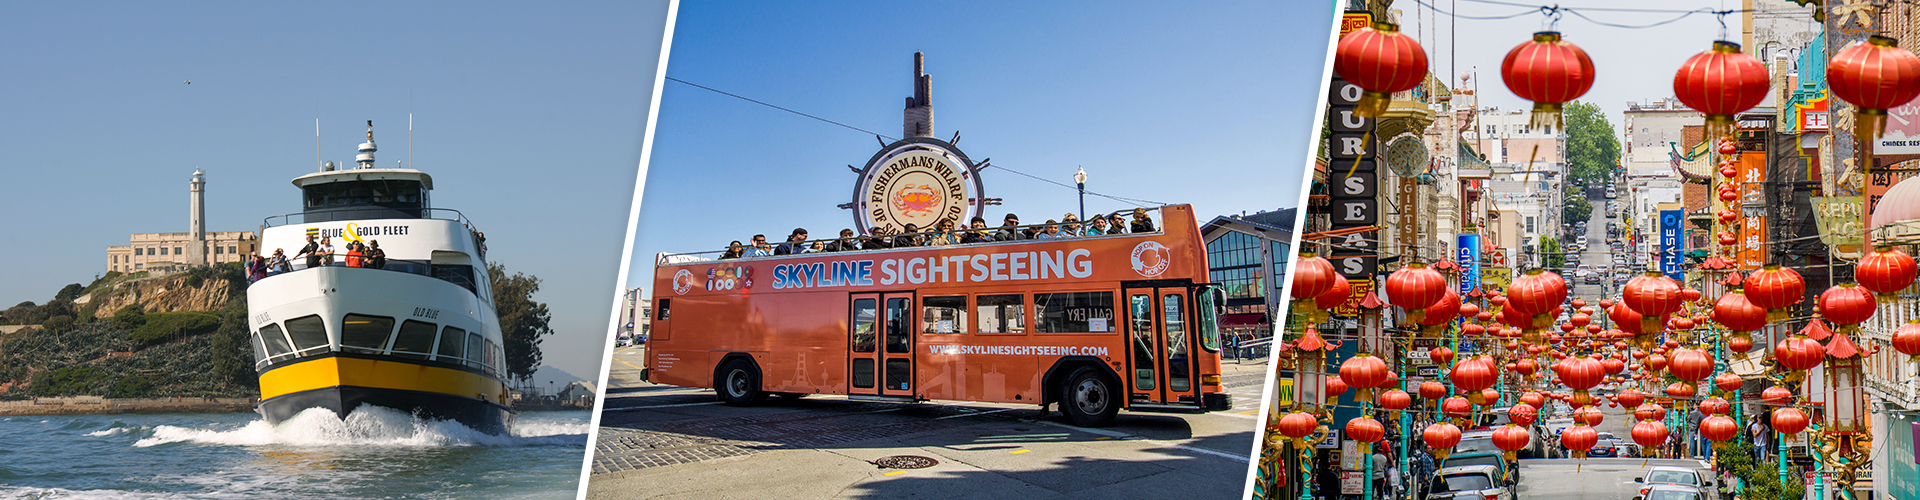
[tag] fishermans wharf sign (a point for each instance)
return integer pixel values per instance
(920, 181)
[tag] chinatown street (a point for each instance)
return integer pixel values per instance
(1590, 479)
(660, 441)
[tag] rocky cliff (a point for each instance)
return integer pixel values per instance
(171, 293)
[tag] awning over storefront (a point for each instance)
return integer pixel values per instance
(1243, 319)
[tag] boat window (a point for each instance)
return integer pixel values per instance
(259, 352)
(1001, 313)
(943, 314)
(493, 362)
(361, 333)
(415, 340)
(458, 274)
(307, 332)
(474, 351)
(276, 342)
(452, 344)
(1073, 312)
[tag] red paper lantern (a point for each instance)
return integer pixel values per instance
(1535, 294)
(1906, 339)
(1656, 363)
(1578, 439)
(1336, 386)
(1649, 434)
(1548, 71)
(1489, 397)
(1886, 271)
(1523, 414)
(1875, 76)
(1469, 310)
(1415, 288)
(1297, 425)
(1366, 430)
(1790, 420)
(1650, 411)
(1799, 353)
(1525, 367)
(1589, 415)
(1728, 382)
(1440, 355)
(1626, 319)
(1846, 304)
(1774, 288)
(1312, 276)
(1380, 61)
(1394, 399)
(1456, 407)
(1613, 366)
(1651, 294)
(1720, 83)
(1365, 371)
(1442, 311)
(1511, 438)
(1681, 390)
(1735, 312)
(1719, 428)
(1432, 391)
(1777, 395)
(1715, 406)
(1335, 295)
(1534, 399)
(1691, 365)
(1441, 438)
(1473, 374)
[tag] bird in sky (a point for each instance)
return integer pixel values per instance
(189, 82)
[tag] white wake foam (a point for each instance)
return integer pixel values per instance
(369, 426)
(107, 432)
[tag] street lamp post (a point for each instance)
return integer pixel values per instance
(1080, 178)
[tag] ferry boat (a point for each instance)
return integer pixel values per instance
(416, 333)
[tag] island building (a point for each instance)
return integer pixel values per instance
(171, 252)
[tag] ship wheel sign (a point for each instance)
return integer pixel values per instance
(919, 181)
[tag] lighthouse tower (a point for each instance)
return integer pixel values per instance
(197, 220)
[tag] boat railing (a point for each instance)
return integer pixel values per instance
(370, 213)
(458, 274)
(918, 239)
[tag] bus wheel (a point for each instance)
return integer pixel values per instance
(1088, 399)
(740, 384)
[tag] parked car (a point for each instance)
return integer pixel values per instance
(1469, 482)
(1492, 458)
(1669, 492)
(1662, 474)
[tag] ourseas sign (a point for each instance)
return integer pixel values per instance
(920, 181)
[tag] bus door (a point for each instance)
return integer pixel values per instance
(1160, 344)
(880, 344)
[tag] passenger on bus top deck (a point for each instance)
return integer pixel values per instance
(1070, 226)
(734, 250)
(876, 239)
(845, 243)
(793, 245)
(1142, 224)
(816, 247)
(1050, 231)
(759, 248)
(978, 234)
(908, 238)
(1118, 223)
(944, 236)
(1097, 226)
(1009, 230)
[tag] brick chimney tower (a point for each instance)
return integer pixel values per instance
(918, 121)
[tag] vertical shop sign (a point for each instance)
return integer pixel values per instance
(1672, 248)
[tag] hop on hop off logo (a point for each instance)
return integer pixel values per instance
(1150, 259)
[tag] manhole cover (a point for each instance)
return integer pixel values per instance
(905, 462)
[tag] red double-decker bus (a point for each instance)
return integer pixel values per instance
(1095, 323)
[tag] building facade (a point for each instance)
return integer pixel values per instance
(167, 252)
(1248, 254)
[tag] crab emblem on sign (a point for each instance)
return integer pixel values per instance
(920, 181)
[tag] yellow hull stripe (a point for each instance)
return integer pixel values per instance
(341, 371)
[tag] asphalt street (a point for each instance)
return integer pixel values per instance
(672, 442)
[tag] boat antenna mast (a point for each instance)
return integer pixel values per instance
(365, 159)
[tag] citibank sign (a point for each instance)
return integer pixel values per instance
(920, 181)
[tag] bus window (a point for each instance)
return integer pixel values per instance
(1077, 312)
(943, 314)
(665, 307)
(1001, 313)
(1176, 328)
(1208, 322)
(898, 311)
(863, 323)
(1141, 312)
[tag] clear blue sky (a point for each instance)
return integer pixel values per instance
(1203, 103)
(529, 117)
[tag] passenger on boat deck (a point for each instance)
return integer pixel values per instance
(1050, 231)
(1142, 224)
(256, 268)
(326, 251)
(979, 232)
(1070, 226)
(944, 236)
(376, 258)
(845, 243)
(876, 239)
(1097, 226)
(908, 238)
(354, 254)
(793, 245)
(278, 264)
(1009, 229)
(759, 248)
(734, 250)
